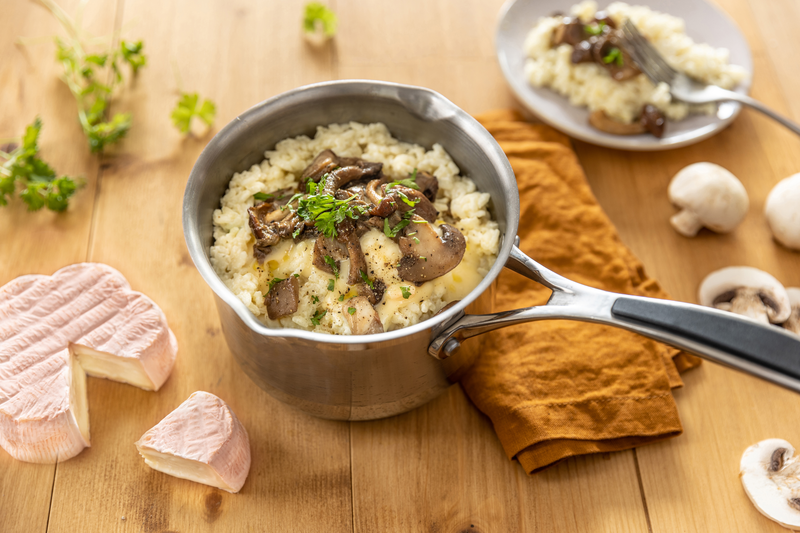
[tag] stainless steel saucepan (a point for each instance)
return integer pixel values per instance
(375, 376)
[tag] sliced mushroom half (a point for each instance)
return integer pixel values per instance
(793, 322)
(282, 298)
(598, 119)
(770, 476)
(746, 291)
(427, 254)
(362, 318)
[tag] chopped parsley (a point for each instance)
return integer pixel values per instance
(275, 281)
(614, 55)
(341, 297)
(262, 196)
(392, 232)
(331, 284)
(319, 14)
(351, 310)
(595, 29)
(407, 201)
(406, 292)
(331, 263)
(315, 299)
(366, 279)
(317, 317)
(415, 240)
(296, 275)
(410, 182)
(325, 210)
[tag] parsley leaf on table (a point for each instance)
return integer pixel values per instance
(187, 108)
(39, 183)
(318, 15)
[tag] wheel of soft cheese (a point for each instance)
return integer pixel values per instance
(202, 441)
(84, 319)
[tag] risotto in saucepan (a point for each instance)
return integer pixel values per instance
(352, 232)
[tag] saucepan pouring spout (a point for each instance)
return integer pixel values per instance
(764, 351)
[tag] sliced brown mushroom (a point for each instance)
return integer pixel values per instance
(373, 293)
(348, 236)
(598, 119)
(582, 52)
(282, 298)
(327, 247)
(426, 255)
(417, 200)
(383, 206)
(653, 120)
(621, 69)
(269, 226)
(570, 32)
(321, 165)
(361, 316)
(340, 176)
(428, 185)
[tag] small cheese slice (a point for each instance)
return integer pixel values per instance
(202, 441)
(50, 327)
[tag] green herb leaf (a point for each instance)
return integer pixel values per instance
(595, 29)
(341, 297)
(315, 299)
(262, 196)
(351, 310)
(366, 279)
(132, 54)
(317, 12)
(317, 317)
(416, 241)
(325, 210)
(296, 275)
(392, 232)
(40, 185)
(405, 183)
(331, 284)
(614, 55)
(406, 292)
(275, 281)
(186, 109)
(331, 263)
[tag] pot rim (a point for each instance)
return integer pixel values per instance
(426, 104)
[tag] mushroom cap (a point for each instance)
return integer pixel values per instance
(731, 278)
(769, 478)
(782, 211)
(710, 196)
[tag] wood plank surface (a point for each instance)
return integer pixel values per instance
(41, 242)
(439, 468)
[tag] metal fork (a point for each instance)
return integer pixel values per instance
(682, 87)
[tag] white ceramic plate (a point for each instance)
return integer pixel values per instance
(704, 23)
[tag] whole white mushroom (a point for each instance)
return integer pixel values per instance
(708, 196)
(783, 212)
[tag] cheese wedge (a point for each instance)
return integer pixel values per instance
(202, 441)
(56, 329)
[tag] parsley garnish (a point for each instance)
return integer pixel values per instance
(315, 299)
(296, 275)
(40, 185)
(186, 109)
(416, 241)
(331, 284)
(596, 28)
(366, 279)
(392, 232)
(317, 317)
(262, 196)
(614, 55)
(331, 263)
(407, 201)
(341, 297)
(406, 292)
(351, 310)
(319, 19)
(93, 77)
(409, 182)
(325, 210)
(275, 281)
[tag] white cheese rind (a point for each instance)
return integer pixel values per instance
(89, 305)
(203, 441)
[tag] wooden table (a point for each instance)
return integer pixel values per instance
(439, 468)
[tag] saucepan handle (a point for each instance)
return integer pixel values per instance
(766, 351)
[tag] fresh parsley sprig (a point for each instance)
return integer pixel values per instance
(317, 317)
(331, 263)
(319, 23)
(392, 232)
(325, 210)
(186, 109)
(366, 279)
(39, 184)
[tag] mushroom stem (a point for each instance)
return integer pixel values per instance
(686, 223)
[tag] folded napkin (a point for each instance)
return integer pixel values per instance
(554, 389)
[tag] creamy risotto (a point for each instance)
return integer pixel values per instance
(400, 198)
(553, 64)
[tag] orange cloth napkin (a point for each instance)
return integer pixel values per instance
(554, 389)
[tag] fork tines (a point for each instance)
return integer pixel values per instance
(646, 56)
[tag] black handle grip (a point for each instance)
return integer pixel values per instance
(767, 346)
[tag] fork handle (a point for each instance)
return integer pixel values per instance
(722, 95)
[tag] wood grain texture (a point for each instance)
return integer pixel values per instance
(41, 242)
(439, 468)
